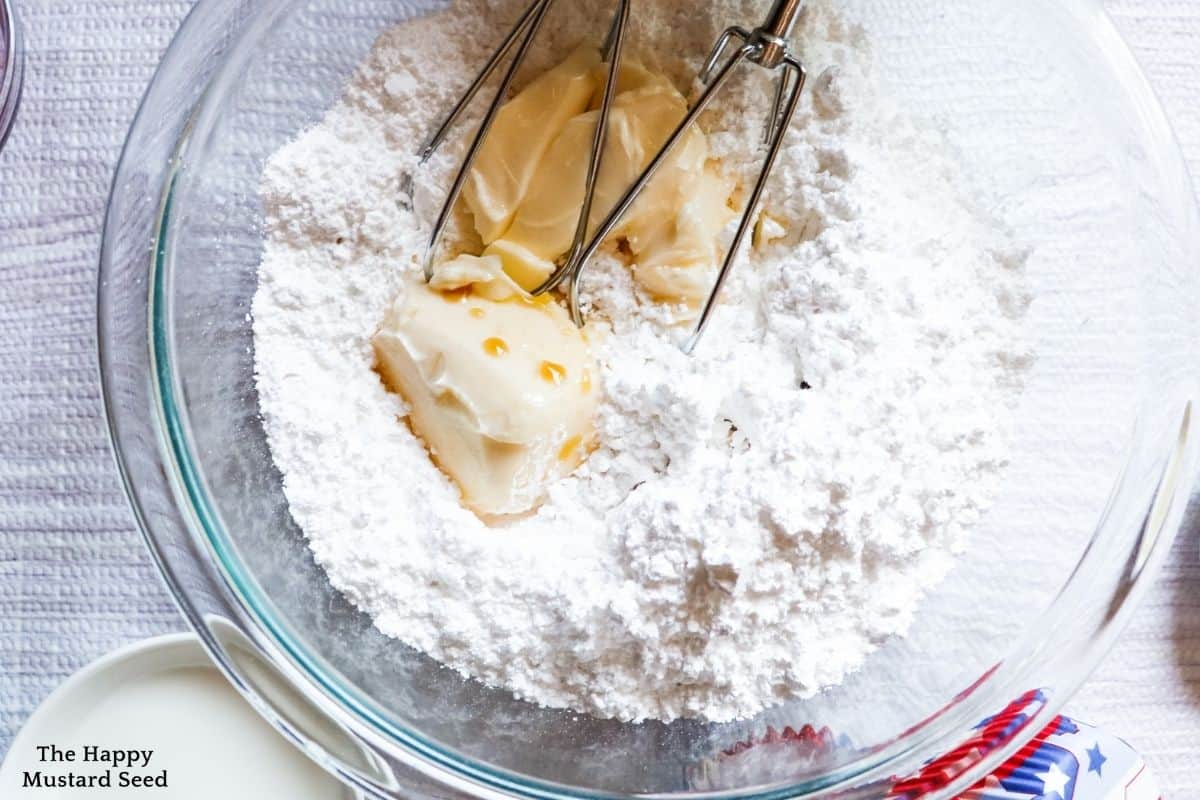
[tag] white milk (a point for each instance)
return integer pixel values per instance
(206, 741)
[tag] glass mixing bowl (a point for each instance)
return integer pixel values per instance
(1054, 124)
(11, 69)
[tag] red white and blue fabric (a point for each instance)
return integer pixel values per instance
(1066, 760)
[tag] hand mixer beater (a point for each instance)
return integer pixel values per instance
(765, 46)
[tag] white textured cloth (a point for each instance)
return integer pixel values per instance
(75, 581)
(1148, 689)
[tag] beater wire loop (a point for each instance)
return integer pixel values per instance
(612, 47)
(436, 140)
(531, 21)
(765, 46)
(793, 74)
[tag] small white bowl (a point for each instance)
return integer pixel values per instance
(161, 695)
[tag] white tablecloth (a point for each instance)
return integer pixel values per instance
(74, 580)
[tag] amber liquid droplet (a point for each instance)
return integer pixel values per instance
(585, 382)
(531, 300)
(477, 312)
(495, 346)
(553, 373)
(457, 295)
(567, 451)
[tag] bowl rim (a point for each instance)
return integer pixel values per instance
(444, 764)
(12, 69)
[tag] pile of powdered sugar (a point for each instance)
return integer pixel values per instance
(758, 517)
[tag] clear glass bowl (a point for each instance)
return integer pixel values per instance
(12, 64)
(1051, 116)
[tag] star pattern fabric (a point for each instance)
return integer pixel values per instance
(1066, 760)
(1096, 759)
(1054, 783)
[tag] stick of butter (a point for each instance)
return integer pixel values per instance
(499, 384)
(522, 131)
(544, 227)
(676, 254)
(673, 228)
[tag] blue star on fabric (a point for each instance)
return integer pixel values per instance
(1096, 759)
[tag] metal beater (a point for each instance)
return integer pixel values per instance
(766, 46)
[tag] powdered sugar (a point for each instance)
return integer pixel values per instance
(758, 517)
